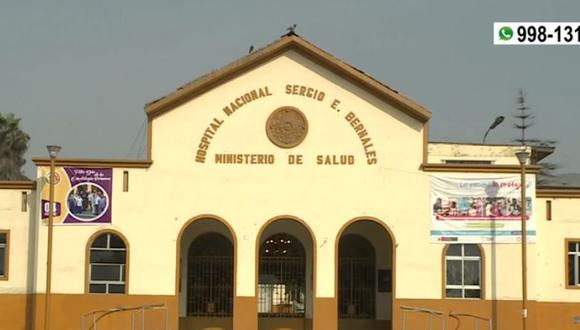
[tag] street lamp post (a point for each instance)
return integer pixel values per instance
(498, 120)
(52, 152)
(523, 157)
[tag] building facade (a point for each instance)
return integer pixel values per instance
(290, 190)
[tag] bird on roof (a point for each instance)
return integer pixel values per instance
(290, 30)
(251, 49)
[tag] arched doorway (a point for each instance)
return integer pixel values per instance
(365, 252)
(285, 276)
(206, 282)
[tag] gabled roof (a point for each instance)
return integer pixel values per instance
(286, 43)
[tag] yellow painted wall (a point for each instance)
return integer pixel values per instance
(21, 250)
(176, 188)
(70, 241)
(325, 197)
(551, 268)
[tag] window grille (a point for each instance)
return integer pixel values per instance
(3, 255)
(574, 263)
(108, 259)
(282, 277)
(357, 281)
(463, 271)
(210, 276)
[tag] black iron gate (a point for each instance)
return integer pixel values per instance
(357, 278)
(210, 276)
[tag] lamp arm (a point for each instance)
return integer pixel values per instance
(485, 136)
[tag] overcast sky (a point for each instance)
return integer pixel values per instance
(78, 73)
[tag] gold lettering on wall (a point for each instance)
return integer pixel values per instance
(305, 91)
(215, 124)
(295, 159)
(335, 104)
(364, 137)
(335, 160)
(246, 98)
(299, 90)
(206, 139)
(244, 159)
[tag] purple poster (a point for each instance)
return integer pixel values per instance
(81, 196)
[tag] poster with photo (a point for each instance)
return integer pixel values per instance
(81, 195)
(480, 210)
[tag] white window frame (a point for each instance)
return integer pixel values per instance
(122, 267)
(463, 258)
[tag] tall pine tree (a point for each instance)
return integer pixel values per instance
(524, 120)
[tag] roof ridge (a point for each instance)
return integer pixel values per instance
(215, 71)
(345, 70)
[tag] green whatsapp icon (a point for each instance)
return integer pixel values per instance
(506, 33)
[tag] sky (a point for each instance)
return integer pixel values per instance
(79, 73)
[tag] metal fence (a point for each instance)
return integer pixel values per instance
(432, 315)
(439, 317)
(476, 320)
(137, 316)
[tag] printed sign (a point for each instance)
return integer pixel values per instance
(480, 210)
(81, 195)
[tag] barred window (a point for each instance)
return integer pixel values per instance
(574, 263)
(463, 273)
(3, 255)
(107, 267)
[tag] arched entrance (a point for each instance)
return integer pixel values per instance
(285, 276)
(206, 281)
(365, 260)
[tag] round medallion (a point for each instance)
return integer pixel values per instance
(287, 127)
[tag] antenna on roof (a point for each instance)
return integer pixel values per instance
(290, 30)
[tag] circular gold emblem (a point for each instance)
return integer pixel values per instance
(286, 127)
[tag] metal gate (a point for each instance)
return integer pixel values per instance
(357, 278)
(282, 277)
(356, 288)
(210, 277)
(209, 286)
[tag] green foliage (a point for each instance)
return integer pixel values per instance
(525, 120)
(13, 146)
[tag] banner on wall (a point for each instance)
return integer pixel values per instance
(480, 210)
(81, 195)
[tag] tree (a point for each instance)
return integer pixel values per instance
(525, 120)
(13, 146)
